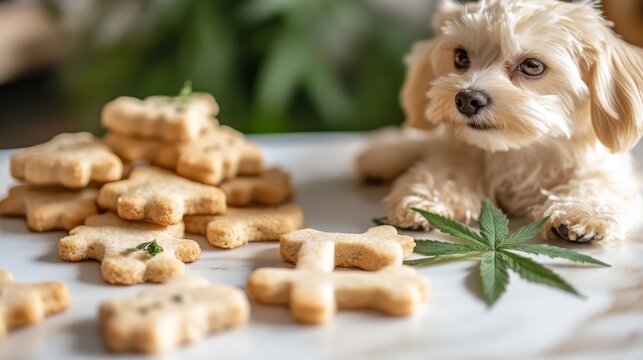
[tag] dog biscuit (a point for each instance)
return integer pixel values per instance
(110, 240)
(159, 196)
(314, 291)
(181, 311)
(238, 226)
(271, 188)
(133, 149)
(25, 304)
(162, 117)
(378, 247)
(221, 153)
(71, 160)
(49, 208)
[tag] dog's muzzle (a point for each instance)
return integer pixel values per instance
(469, 102)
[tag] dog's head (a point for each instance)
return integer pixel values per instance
(504, 74)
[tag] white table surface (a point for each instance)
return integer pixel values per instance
(529, 322)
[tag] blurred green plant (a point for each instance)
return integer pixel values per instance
(273, 65)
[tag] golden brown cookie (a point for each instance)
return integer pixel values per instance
(70, 160)
(378, 247)
(239, 226)
(314, 291)
(219, 154)
(161, 117)
(183, 310)
(134, 149)
(25, 304)
(271, 188)
(155, 195)
(130, 252)
(50, 208)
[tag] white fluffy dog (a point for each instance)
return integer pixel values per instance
(534, 103)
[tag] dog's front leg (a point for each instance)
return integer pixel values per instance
(593, 205)
(447, 181)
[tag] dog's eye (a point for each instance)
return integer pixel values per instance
(461, 59)
(532, 68)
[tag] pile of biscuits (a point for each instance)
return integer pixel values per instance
(185, 172)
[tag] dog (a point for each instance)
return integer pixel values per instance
(532, 103)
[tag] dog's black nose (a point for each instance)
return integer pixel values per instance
(469, 102)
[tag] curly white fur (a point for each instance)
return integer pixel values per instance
(454, 191)
(557, 144)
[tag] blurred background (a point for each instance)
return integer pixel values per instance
(273, 65)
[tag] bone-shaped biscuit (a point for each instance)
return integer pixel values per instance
(183, 310)
(238, 226)
(50, 208)
(314, 291)
(271, 188)
(133, 149)
(378, 247)
(107, 238)
(24, 304)
(162, 117)
(220, 153)
(71, 160)
(159, 196)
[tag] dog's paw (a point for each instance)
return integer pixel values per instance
(563, 231)
(406, 218)
(580, 229)
(402, 215)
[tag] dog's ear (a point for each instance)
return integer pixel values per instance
(419, 75)
(615, 81)
(447, 10)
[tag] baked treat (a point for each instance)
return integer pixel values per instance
(70, 160)
(313, 290)
(50, 208)
(160, 196)
(130, 252)
(271, 188)
(181, 311)
(163, 117)
(25, 304)
(134, 149)
(219, 154)
(239, 226)
(378, 247)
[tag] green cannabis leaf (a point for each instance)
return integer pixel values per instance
(185, 92)
(497, 249)
(152, 247)
(380, 221)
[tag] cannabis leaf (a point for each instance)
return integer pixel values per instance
(380, 221)
(185, 92)
(497, 249)
(152, 247)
